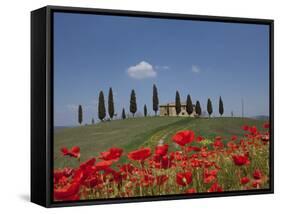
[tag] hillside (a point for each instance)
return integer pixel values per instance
(130, 134)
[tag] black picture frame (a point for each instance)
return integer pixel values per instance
(42, 103)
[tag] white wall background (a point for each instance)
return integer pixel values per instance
(15, 105)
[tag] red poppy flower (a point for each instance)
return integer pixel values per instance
(161, 149)
(256, 183)
(240, 160)
(212, 172)
(64, 151)
(88, 167)
(210, 175)
(176, 155)
(234, 137)
(147, 180)
(127, 168)
(193, 148)
(183, 179)
(183, 137)
(140, 154)
(93, 181)
(78, 175)
(117, 177)
(103, 165)
(165, 162)
(66, 191)
(70, 190)
(74, 152)
(191, 190)
(232, 145)
(114, 175)
(218, 144)
(196, 163)
(157, 158)
(209, 179)
(266, 125)
(265, 138)
(257, 174)
(218, 138)
(112, 154)
(245, 127)
(244, 180)
(88, 163)
(60, 173)
(194, 156)
(204, 154)
(161, 179)
(253, 130)
(199, 139)
(215, 188)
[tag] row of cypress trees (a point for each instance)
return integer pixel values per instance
(189, 106)
(101, 105)
(155, 101)
(133, 103)
(210, 107)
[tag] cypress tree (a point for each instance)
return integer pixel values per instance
(198, 108)
(189, 105)
(101, 107)
(123, 114)
(209, 107)
(178, 103)
(110, 104)
(133, 103)
(80, 114)
(145, 110)
(155, 99)
(221, 110)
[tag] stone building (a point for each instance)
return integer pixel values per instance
(170, 110)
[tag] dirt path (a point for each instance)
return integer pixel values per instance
(164, 135)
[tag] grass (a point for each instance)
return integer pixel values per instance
(133, 133)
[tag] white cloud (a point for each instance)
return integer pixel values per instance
(195, 69)
(142, 70)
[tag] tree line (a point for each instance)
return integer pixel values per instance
(198, 110)
(111, 111)
(155, 106)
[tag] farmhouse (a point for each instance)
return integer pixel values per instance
(170, 110)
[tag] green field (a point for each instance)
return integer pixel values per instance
(133, 133)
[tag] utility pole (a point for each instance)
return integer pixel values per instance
(242, 102)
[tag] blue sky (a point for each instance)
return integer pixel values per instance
(203, 59)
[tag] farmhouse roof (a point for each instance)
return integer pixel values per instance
(173, 104)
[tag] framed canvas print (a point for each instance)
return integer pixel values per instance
(140, 106)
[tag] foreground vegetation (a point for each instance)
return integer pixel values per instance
(133, 133)
(183, 161)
